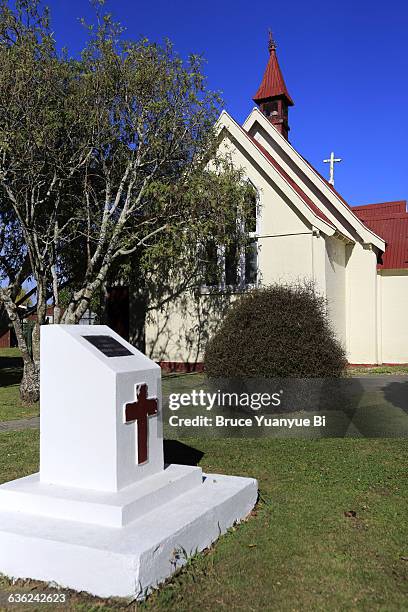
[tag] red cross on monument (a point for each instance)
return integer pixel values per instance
(138, 411)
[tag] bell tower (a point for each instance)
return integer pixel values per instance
(272, 96)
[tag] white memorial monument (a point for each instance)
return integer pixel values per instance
(104, 514)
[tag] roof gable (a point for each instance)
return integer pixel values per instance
(261, 157)
(306, 177)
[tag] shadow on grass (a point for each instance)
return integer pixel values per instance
(396, 393)
(177, 452)
(11, 369)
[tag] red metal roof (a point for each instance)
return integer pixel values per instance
(291, 182)
(390, 221)
(272, 83)
(368, 211)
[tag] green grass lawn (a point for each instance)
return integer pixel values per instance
(10, 374)
(383, 369)
(298, 551)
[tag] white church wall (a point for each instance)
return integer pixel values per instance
(393, 320)
(335, 273)
(278, 216)
(286, 258)
(319, 262)
(361, 304)
(179, 331)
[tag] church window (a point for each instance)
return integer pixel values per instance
(251, 263)
(234, 266)
(211, 264)
(231, 265)
(251, 220)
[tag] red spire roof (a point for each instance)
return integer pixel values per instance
(273, 83)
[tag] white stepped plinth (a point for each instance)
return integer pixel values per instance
(127, 561)
(99, 507)
(104, 514)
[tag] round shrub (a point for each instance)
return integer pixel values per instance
(280, 331)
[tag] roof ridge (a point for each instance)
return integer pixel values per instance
(380, 204)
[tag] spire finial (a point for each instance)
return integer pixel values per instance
(271, 41)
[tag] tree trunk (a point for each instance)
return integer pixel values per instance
(30, 383)
(35, 345)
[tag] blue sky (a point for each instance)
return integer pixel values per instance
(345, 65)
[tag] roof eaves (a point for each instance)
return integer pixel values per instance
(256, 115)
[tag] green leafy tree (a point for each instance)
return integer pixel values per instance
(104, 159)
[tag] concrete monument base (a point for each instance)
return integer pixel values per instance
(110, 552)
(104, 514)
(109, 509)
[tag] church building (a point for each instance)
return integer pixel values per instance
(357, 256)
